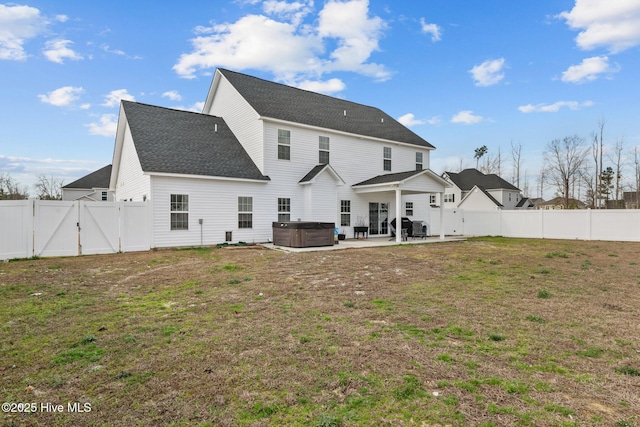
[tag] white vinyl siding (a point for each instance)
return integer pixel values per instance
(132, 182)
(216, 203)
(241, 118)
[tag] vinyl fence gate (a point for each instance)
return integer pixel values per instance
(69, 228)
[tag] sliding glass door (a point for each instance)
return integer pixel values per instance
(378, 218)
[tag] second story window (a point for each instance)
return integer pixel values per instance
(323, 150)
(449, 198)
(418, 161)
(386, 155)
(284, 144)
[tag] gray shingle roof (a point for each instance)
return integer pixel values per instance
(389, 178)
(182, 142)
(287, 103)
(468, 178)
(97, 179)
(313, 173)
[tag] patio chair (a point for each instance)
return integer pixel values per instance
(419, 229)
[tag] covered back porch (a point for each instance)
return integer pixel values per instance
(385, 191)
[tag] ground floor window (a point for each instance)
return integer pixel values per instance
(284, 209)
(408, 208)
(432, 199)
(179, 211)
(245, 212)
(345, 213)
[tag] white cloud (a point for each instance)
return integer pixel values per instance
(62, 18)
(57, 50)
(410, 120)
(588, 70)
(251, 42)
(294, 12)
(356, 34)
(555, 107)
(115, 96)
(327, 87)
(489, 72)
(432, 29)
(17, 25)
(62, 97)
(106, 126)
(466, 117)
(435, 121)
(284, 45)
(172, 95)
(614, 25)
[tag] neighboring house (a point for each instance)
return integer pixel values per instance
(263, 152)
(473, 190)
(558, 203)
(92, 187)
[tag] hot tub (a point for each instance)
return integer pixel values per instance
(303, 234)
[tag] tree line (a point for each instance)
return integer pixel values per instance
(575, 169)
(46, 188)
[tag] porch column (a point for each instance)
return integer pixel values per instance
(441, 216)
(398, 215)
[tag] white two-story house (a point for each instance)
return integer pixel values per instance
(471, 189)
(262, 152)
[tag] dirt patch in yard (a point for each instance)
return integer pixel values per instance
(486, 332)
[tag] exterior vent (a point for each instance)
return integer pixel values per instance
(345, 113)
(215, 127)
(228, 236)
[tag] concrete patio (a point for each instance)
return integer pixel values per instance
(366, 243)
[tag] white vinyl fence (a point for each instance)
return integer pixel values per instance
(65, 228)
(580, 224)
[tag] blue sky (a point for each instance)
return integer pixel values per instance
(461, 74)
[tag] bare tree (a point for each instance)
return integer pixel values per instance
(10, 189)
(516, 156)
(597, 149)
(617, 161)
(565, 159)
(541, 179)
(49, 188)
(636, 159)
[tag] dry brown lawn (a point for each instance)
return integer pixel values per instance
(487, 332)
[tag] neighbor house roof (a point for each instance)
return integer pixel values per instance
(182, 142)
(278, 101)
(469, 178)
(97, 179)
(525, 202)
